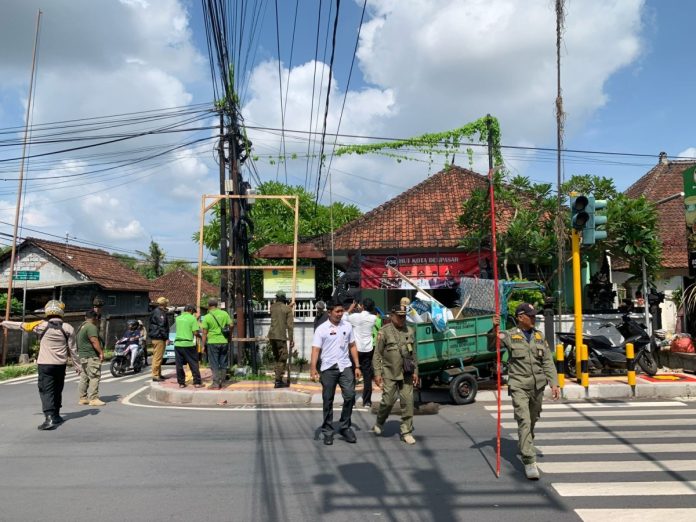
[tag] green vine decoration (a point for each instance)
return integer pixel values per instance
(434, 142)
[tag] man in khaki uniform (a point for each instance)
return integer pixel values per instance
(282, 322)
(396, 370)
(530, 369)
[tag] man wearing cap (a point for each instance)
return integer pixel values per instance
(158, 331)
(530, 369)
(280, 332)
(395, 365)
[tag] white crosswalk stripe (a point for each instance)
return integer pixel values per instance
(629, 454)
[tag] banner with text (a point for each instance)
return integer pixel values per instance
(275, 280)
(428, 271)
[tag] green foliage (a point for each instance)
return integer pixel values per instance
(179, 264)
(15, 304)
(435, 142)
(518, 296)
(127, 261)
(12, 371)
(153, 265)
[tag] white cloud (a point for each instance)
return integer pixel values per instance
(688, 153)
(131, 230)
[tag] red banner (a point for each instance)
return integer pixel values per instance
(429, 271)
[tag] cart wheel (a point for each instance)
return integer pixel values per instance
(463, 388)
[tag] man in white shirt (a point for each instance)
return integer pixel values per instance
(334, 339)
(363, 321)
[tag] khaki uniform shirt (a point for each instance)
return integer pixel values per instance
(393, 345)
(282, 321)
(530, 365)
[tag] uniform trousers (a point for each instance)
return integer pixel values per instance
(527, 406)
(279, 347)
(89, 378)
(157, 354)
(51, 382)
(186, 355)
(404, 390)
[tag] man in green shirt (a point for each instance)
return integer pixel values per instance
(185, 351)
(91, 352)
(215, 343)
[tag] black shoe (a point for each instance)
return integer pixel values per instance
(48, 424)
(349, 436)
(57, 419)
(157, 379)
(328, 439)
(281, 384)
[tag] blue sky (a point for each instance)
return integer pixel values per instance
(628, 82)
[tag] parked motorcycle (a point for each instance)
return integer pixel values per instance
(120, 362)
(604, 355)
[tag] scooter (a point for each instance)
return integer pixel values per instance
(603, 355)
(120, 362)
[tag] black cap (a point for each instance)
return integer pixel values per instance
(526, 309)
(398, 310)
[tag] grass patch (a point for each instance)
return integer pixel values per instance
(16, 370)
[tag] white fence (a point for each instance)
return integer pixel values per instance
(304, 309)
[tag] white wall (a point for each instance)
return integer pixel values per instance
(303, 332)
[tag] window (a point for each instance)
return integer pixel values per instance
(137, 300)
(111, 300)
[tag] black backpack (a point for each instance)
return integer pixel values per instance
(54, 326)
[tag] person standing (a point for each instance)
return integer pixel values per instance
(158, 331)
(363, 321)
(280, 332)
(320, 315)
(530, 370)
(91, 352)
(185, 350)
(56, 344)
(334, 339)
(396, 371)
(215, 343)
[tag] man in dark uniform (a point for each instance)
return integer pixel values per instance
(530, 369)
(396, 370)
(280, 332)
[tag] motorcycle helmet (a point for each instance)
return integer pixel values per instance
(132, 324)
(54, 308)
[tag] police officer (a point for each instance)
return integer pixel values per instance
(530, 369)
(396, 371)
(280, 332)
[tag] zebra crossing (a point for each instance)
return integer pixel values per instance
(626, 461)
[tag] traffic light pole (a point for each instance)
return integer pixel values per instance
(577, 301)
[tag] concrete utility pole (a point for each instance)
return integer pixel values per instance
(560, 116)
(223, 256)
(8, 306)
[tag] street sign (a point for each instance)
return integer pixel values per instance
(26, 275)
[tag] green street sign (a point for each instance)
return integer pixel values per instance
(26, 275)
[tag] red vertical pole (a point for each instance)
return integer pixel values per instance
(494, 261)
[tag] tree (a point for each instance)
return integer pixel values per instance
(274, 223)
(529, 211)
(15, 304)
(153, 265)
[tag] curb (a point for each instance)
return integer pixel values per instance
(159, 393)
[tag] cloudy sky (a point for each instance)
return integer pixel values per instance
(420, 66)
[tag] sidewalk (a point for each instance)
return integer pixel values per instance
(305, 394)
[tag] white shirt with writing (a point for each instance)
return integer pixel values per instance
(333, 341)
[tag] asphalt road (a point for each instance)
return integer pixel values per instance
(141, 461)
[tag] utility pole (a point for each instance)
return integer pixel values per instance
(223, 253)
(10, 274)
(560, 229)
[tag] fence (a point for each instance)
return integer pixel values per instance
(302, 309)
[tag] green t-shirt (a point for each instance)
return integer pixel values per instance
(84, 346)
(186, 324)
(215, 328)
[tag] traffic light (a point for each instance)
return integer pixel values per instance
(591, 234)
(579, 215)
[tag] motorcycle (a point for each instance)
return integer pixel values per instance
(604, 355)
(120, 362)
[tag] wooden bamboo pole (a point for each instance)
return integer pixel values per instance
(200, 257)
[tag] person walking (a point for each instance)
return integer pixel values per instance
(395, 365)
(91, 352)
(280, 332)
(56, 345)
(334, 339)
(185, 350)
(158, 331)
(363, 321)
(530, 370)
(215, 343)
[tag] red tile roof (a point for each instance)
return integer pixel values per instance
(179, 286)
(96, 265)
(662, 181)
(424, 217)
